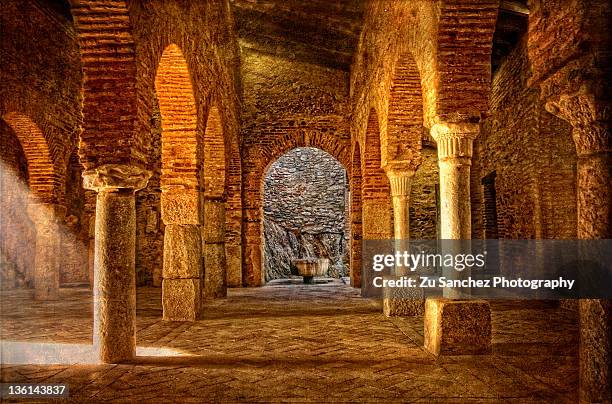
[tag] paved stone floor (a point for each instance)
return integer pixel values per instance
(289, 343)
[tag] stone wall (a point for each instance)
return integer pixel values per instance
(287, 104)
(75, 238)
(149, 226)
(305, 212)
(533, 158)
(424, 209)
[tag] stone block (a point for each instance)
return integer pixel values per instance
(181, 299)
(214, 221)
(182, 252)
(215, 271)
(457, 327)
(403, 302)
(180, 206)
(233, 258)
(376, 220)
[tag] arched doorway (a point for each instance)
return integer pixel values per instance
(305, 213)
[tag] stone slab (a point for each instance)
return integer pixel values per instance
(181, 299)
(215, 271)
(457, 327)
(214, 221)
(182, 252)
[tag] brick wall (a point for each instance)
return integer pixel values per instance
(40, 106)
(210, 64)
(533, 157)
(287, 104)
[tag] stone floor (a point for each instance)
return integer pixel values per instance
(289, 343)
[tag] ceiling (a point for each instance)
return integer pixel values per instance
(512, 23)
(59, 7)
(323, 32)
(326, 32)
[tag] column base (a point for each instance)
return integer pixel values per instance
(397, 302)
(403, 307)
(181, 299)
(457, 327)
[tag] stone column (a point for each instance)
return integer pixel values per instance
(91, 249)
(456, 327)
(46, 218)
(594, 196)
(182, 266)
(400, 182)
(215, 266)
(396, 302)
(455, 145)
(114, 333)
(252, 240)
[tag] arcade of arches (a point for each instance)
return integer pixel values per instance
(136, 137)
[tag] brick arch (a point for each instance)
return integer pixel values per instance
(215, 157)
(377, 214)
(356, 218)
(233, 212)
(256, 162)
(465, 41)
(44, 176)
(180, 157)
(405, 114)
(111, 123)
(328, 143)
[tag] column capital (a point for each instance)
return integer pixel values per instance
(400, 182)
(115, 176)
(455, 139)
(589, 118)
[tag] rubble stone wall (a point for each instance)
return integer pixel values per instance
(305, 212)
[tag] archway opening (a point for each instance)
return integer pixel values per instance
(180, 188)
(17, 232)
(305, 209)
(214, 185)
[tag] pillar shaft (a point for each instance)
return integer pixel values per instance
(215, 263)
(456, 327)
(400, 192)
(114, 331)
(399, 302)
(46, 219)
(455, 146)
(91, 250)
(114, 276)
(594, 194)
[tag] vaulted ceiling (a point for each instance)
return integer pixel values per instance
(322, 32)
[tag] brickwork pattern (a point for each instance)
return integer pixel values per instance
(317, 343)
(535, 194)
(287, 104)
